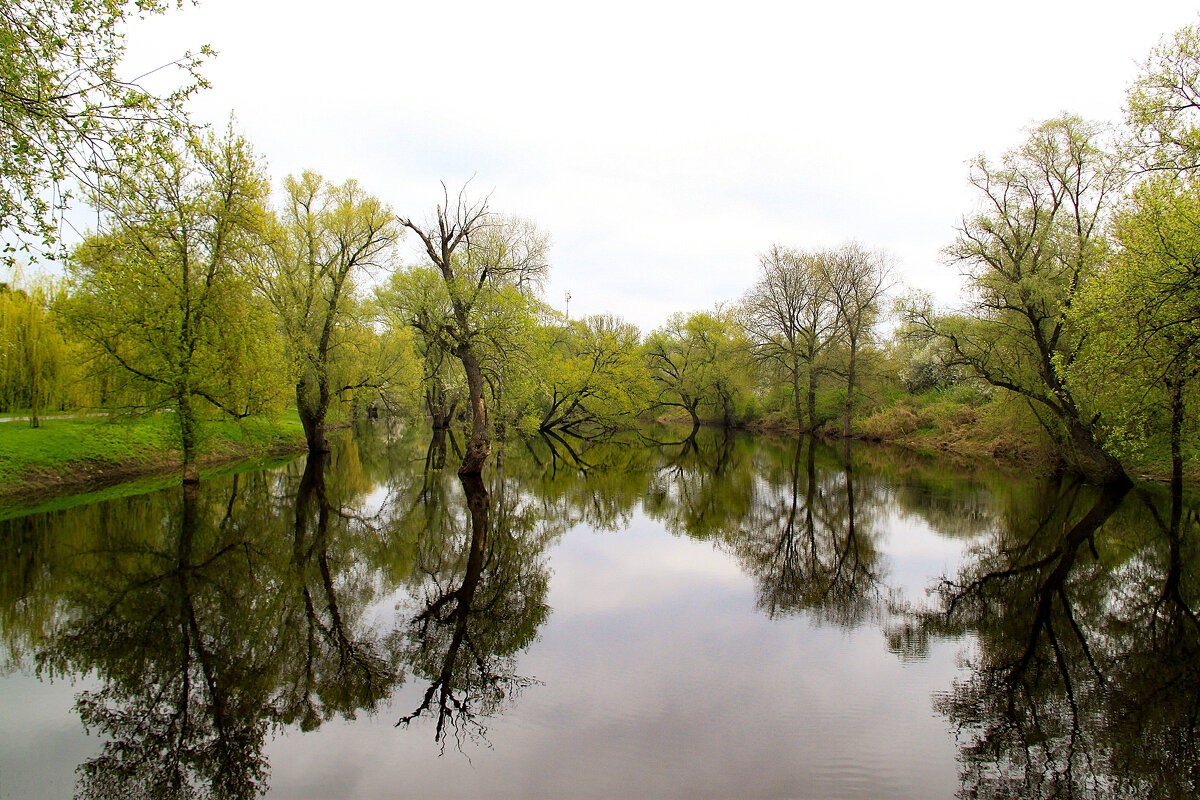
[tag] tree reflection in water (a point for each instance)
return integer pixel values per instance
(479, 608)
(183, 686)
(1085, 680)
(215, 615)
(813, 550)
(790, 521)
(212, 614)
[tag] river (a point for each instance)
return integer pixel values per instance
(655, 616)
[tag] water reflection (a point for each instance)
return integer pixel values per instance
(1084, 679)
(214, 617)
(791, 524)
(211, 615)
(481, 607)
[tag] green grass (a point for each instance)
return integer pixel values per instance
(73, 449)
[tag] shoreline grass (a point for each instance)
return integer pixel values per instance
(85, 452)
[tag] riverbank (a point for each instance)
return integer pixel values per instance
(68, 455)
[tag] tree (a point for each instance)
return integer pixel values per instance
(327, 237)
(162, 296)
(790, 320)
(589, 374)
(857, 280)
(1025, 256)
(33, 352)
(490, 270)
(692, 363)
(65, 111)
(1142, 316)
(1163, 104)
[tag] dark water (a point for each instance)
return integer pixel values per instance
(719, 617)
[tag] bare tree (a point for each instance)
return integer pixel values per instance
(490, 267)
(789, 319)
(857, 279)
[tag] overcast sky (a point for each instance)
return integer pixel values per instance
(663, 146)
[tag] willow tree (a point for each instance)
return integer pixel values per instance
(589, 375)
(161, 296)
(1037, 237)
(326, 240)
(694, 362)
(34, 355)
(491, 269)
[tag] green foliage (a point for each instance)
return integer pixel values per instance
(163, 299)
(67, 114)
(1141, 315)
(700, 362)
(587, 374)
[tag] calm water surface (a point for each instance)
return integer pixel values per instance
(713, 617)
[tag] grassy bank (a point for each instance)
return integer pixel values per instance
(88, 452)
(1001, 426)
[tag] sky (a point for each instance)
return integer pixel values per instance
(663, 146)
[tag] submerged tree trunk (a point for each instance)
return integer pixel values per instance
(480, 443)
(312, 404)
(441, 409)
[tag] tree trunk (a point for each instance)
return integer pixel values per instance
(312, 415)
(812, 400)
(1176, 389)
(850, 379)
(480, 443)
(34, 422)
(440, 411)
(187, 438)
(796, 393)
(1093, 461)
